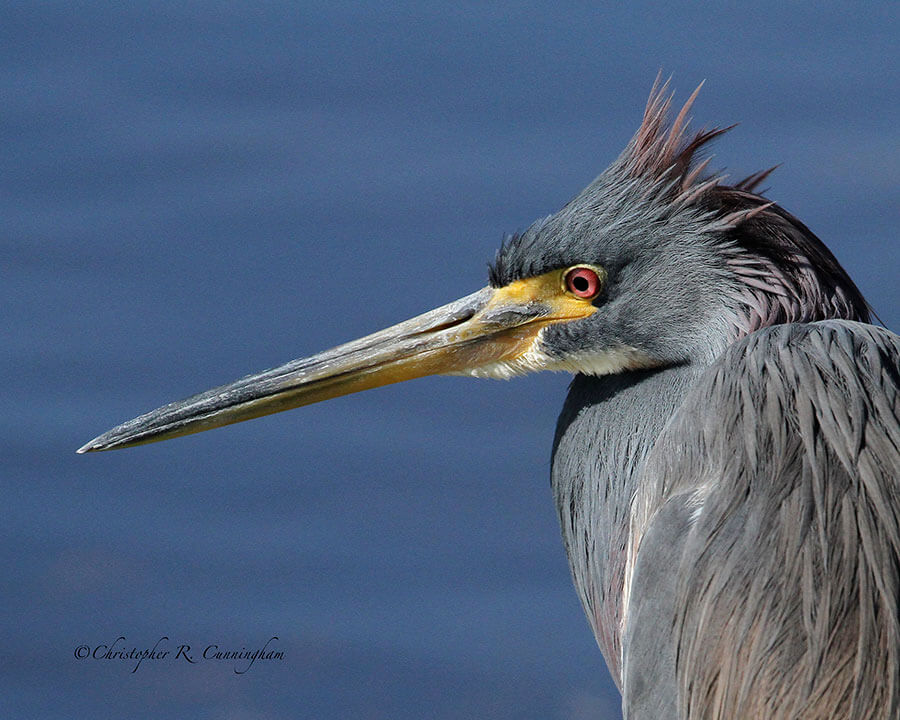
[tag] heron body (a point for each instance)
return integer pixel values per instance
(743, 562)
(725, 465)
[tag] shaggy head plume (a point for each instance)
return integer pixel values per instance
(660, 184)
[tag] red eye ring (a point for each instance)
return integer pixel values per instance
(583, 282)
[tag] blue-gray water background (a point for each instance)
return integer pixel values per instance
(193, 191)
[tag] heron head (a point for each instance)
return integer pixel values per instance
(654, 263)
(687, 262)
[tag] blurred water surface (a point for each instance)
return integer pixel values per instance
(194, 191)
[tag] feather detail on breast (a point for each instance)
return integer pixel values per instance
(787, 600)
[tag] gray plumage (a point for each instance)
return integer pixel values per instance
(757, 517)
(725, 466)
(731, 519)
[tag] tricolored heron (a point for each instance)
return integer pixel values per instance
(726, 462)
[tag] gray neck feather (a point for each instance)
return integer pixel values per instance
(607, 426)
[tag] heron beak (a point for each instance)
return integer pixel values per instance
(476, 335)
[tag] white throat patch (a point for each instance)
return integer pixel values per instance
(605, 362)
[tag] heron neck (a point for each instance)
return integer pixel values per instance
(605, 430)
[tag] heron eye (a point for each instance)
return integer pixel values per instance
(583, 282)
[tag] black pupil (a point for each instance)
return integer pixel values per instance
(580, 283)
